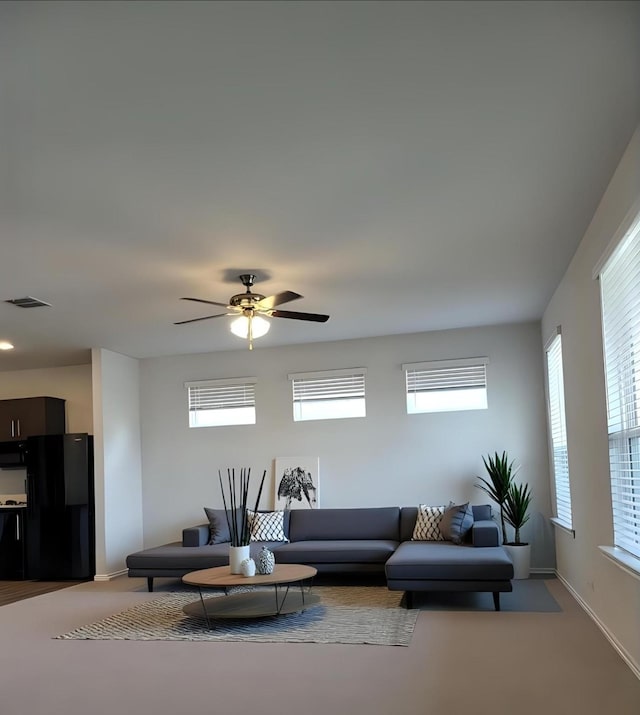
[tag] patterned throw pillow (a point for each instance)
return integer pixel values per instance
(427, 526)
(267, 525)
(456, 522)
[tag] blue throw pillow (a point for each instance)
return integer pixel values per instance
(456, 522)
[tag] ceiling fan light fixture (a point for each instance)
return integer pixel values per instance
(259, 326)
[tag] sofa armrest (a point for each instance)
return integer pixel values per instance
(195, 535)
(485, 533)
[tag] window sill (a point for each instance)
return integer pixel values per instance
(562, 526)
(624, 560)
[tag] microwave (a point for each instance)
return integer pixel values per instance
(13, 455)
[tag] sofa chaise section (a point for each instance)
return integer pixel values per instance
(479, 565)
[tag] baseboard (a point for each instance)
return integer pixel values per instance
(109, 576)
(545, 570)
(635, 668)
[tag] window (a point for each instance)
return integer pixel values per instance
(620, 291)
(447, 385)
(215, 403)
(329, 395)
(558, 431)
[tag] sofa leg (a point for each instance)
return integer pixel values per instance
(408, 599)
(496, 600)
(150, 583)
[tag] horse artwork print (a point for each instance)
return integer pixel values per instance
(296, 483)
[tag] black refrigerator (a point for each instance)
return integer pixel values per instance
(59, 519)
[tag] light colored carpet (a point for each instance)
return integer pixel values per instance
(479, 662)
(353, 615)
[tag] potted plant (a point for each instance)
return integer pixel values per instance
(501, 473)
(516, 508)
(235, 507)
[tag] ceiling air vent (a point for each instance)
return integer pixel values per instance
(27, 302)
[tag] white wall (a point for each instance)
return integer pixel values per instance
(118, 472)
(611, 594)
(387, 458)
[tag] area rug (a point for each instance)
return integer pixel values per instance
(350, 615)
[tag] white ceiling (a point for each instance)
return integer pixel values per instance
(405, 166)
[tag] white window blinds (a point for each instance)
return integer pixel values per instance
(620, 290)
(558, 432)
(215, 403)
(332, 394)
(446, 385)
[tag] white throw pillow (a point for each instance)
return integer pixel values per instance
(427, 526)
(267, 525)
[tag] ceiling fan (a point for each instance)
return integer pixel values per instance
(250, 309)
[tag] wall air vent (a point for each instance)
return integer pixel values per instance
(27, 302)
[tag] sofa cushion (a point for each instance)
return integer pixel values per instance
(176, 556)
(415, 560)
(456, 522)
(373, 551)
(481, 512)
(267, 525)
(218, 526)
(427, 526)
(336, 524)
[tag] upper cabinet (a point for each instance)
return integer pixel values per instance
(31, 416)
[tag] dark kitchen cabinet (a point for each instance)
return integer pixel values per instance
(31, 416)
(12, 544)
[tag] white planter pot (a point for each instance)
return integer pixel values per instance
(521, 558)
(237, 554)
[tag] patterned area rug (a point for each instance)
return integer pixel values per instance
(357, 615)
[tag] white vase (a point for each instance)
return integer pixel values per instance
(248, 567)
(237, 554)
(520, 556)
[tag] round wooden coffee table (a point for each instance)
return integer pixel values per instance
(255, 603)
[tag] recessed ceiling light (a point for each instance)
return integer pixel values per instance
(4, 345)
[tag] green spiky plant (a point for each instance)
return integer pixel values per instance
(235, 504)
(516, 507)
(501, 473)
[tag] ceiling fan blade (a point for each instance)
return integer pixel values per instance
(314, 317)
(208, 302)
(278, 299)
(206, 317)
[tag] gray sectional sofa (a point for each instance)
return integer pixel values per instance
(358, 540)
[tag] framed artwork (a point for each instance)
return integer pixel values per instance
(296, 483)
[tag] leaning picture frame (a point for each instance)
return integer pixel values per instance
(296, 483)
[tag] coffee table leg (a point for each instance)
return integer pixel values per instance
(204, 608)
(308, 588)
(280, 604)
